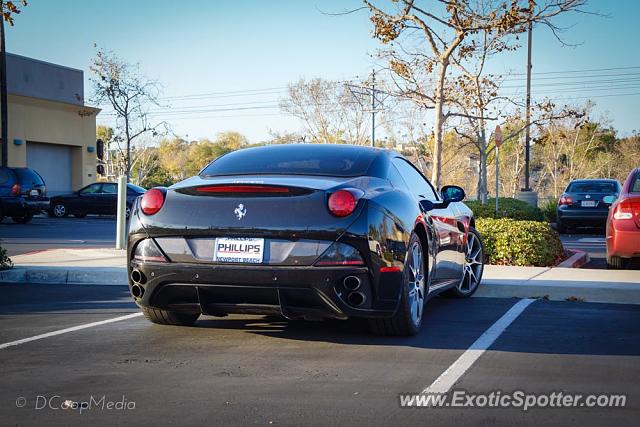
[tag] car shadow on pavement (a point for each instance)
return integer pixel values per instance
(546, 327)
(30, 299)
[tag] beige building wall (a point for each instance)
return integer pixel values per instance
(41, 121)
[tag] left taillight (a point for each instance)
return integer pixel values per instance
(624, 210)
(15, 190)
(565, 200)
(152, 201)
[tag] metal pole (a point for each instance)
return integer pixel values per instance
(121, 219)
(528, 113)
(4, 115)
(373, 108)
(497, 176)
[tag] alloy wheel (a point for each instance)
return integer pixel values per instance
(473, 265)
(416, 283)
(59, 210)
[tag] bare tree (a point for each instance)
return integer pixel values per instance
(425, 40)
(130, 95)
(328, 110)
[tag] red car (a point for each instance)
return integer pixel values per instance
(623, 224)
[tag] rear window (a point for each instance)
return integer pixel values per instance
(635, 185)
(303, 159)
(5, 176)
(593, 187)
(28, 176)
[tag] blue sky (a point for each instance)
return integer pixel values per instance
(204, 47)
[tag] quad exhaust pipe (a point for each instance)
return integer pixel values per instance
(356, 299)
(352, 283)
(138, 277)
(137, 291)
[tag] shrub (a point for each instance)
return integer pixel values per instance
(511, 242)
(550, 210)
(508, 208)
(5, 261)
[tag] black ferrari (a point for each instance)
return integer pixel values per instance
(304, 231)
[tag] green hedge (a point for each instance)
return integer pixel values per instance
(511, 242)
(508, 208)
(5, 261)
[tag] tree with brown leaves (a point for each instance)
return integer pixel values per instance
(424, 40)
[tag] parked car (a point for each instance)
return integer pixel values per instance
(100, 198)
(23, 194)
(623, 224)
(304, 231)
(586, 202)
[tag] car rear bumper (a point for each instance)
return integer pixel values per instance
(294, 292)
(586, 216)
(37, 206)
(19, 206)
(623, 243)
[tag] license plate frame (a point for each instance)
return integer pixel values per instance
(588, 204)
(34, 193)
(238, 250)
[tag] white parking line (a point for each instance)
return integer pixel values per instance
(67, 330)
(448, 378)
(592, 240)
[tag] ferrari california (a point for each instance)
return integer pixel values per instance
(306, 231)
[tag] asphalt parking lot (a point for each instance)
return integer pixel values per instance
(591, 241)
(264, 370)
(47, 233)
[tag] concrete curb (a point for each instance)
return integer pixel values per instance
(577, 260)
(613, 293)
(64, 275)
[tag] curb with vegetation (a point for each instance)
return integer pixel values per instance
(517, 234)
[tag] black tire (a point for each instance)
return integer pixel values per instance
(1, 213)
(22, 219)
(616, 263)
(561, 227)
(59, 210)
(80, 215)
(165, 317)
(402, 323)
(474, 254)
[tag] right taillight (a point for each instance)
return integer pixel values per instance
(152, 201)
(343, 202)
(623, 210)
(15, 190)
(565, 200)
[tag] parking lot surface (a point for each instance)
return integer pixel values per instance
(47, 233)
(259, 370)
(591, 241)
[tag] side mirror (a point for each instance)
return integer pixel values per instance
(452, 193)
(609, 199)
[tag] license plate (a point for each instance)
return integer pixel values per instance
(238, 250)
(34, 193)
(588, 203)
